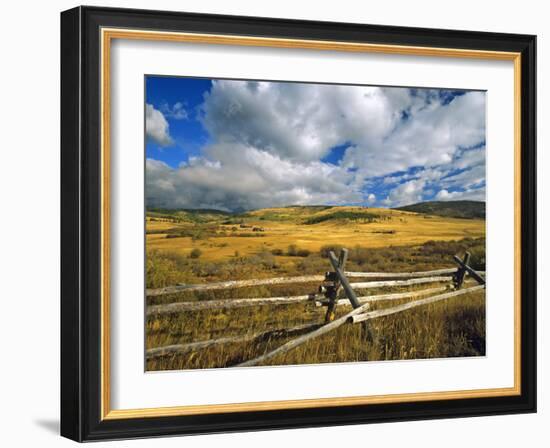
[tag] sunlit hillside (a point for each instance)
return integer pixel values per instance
(220, 235)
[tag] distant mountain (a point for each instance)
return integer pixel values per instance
(318, 214)
(452, 209)
(313, 214)
(189, 215)
(199, 211)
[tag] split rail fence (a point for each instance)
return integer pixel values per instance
(451, 284)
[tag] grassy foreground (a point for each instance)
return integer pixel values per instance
(453, 328)
(203, 247)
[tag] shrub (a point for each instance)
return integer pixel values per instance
(248, 235)
(198, 235)
(295, 251)
(195, 253)
(477, 261)
(311, 265)
(160, 271)
(344, 215)
(264, 259)
(277, 251)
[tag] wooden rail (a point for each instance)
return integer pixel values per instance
(414, 304)
(356, 315)
(332, 283)
(392, 296)
(178, 307)
(302, 339)
(290, 280)
(243, 302)
(401, 274)
(250, 337)
(411, 282)
(234, 284)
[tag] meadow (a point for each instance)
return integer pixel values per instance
(204, 246)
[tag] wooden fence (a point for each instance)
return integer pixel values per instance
(334, 285)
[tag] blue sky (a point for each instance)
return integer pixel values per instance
(185, 129)
(235, 145)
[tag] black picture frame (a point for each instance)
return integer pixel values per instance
(81, 224)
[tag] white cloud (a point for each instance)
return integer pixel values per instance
(470, 177)
(269, 139)
(243, 177)
(472, 195)
(407, 193)
(297, 121)
(176, 112)
(465, 172)
(156, 126)
(431, 136)
(471, 158)
(304, 121)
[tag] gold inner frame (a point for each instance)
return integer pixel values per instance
(107, 35)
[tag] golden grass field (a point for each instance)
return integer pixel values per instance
(409, 228)
(203, 247)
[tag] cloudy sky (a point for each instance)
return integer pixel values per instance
(240, 145)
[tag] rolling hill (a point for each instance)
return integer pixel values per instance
(189, 215)
(314, 214)
(451, 209)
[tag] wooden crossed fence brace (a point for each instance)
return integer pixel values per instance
(331, 291)
(360, 313)
(338, 277)
(462, 269)
(335, 280)
(356, 315)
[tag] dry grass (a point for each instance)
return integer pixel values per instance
(221, 241)
(395, 241)
(452, 328)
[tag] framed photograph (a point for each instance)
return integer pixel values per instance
(276, 224)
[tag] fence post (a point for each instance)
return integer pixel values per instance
(469, 270)
(332, 291)
(461, 271)
(350, 293)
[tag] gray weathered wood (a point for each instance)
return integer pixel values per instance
(352, 316)
(343, 258)
(344, 281)
(177, 307)
(461, 271)
(303, 339)
(392, 296)
(475, 275)
(258, 336)
(234, 284)
(412, 281)
(332, 294)
(407, 306)
(401, 274)
(284, 280)
(350, 293)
